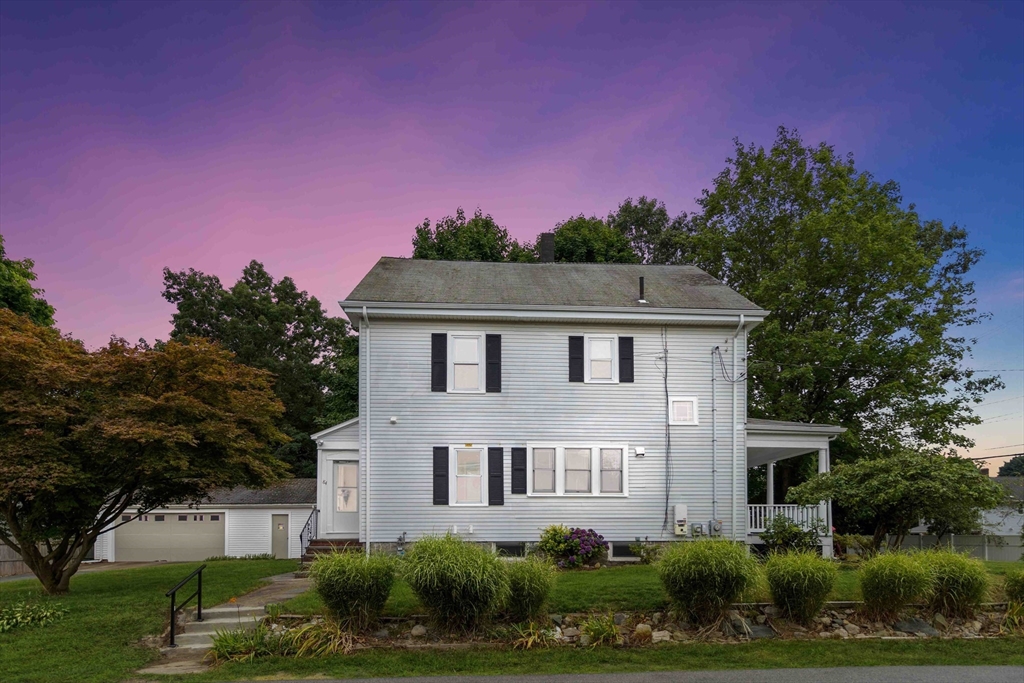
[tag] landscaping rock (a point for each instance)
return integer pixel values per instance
(383, 633)
(852, 629)
(570, 632)
(915, 626)
(656, 618)
(727, 629)
(418, 631)
(584, 640)
(772, 611)
(556, 618)
(761, 618)
(758, 632)
(619, 618)
(940, 621)
(976, 626)
(825, 634)
(660, 636)
(642, 631)
(841, 632)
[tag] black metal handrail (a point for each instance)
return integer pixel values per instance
(173, 594)
(308, 532)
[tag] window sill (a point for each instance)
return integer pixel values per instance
(467, 505)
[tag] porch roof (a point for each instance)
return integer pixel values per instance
(770, 440)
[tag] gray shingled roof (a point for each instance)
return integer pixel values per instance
(419, 281)
(287, 492)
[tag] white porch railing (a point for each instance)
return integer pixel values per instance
(758, 516)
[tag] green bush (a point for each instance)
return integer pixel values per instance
(529, 583)
(704, 577)
(27, 614)
(800, 582)
(647, 551)
(1014, 586)
(783, 534)
(890, 582)
(354, 587)
(601, 630)
(959, 583)
(459, 583)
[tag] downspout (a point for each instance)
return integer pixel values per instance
(714, 443)
(365, 343)
(735, 441)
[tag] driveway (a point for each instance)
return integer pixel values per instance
(858, 674)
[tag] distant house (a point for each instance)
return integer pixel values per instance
(232, 522)
(499, 398)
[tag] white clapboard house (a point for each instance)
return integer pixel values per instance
(499, 398)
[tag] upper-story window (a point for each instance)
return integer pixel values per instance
(600, 359)
(465, 362)
(683, 410)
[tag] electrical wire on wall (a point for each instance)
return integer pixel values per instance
(668, 431)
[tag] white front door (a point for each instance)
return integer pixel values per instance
(344, 498)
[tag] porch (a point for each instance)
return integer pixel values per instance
(769, 441)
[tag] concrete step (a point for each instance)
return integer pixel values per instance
(197, 647)
(229, 611)
(193, 639)
(211, 626)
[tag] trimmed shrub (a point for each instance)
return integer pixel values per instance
(890, 582)
(783, 534)
(459, 583)
(800, 582)
(959, 583)
(1014, 586)
(704, 577)
(354, 587)
(571, 548)
(529, 583)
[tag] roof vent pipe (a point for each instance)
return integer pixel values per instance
(642, 300)
(546, 247)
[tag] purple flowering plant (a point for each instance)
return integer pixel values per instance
(571, 548)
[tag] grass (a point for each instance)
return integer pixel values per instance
(632, 587)
(108, 613)
(755, 655)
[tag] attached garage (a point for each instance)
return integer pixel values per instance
(171, 536)
(235, 522)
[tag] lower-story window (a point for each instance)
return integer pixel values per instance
(467, 473)
(577, 469)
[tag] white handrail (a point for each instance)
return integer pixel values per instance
(759, 516)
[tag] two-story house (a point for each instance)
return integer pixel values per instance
(499, 398)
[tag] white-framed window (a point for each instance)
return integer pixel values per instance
(467, 474)
(466, 367)
(601, 358)
(577, 469)
(682, 410)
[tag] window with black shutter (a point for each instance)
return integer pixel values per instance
(519, 470)
(575, 359)
(625, 359)
(440, 475)
(439, 361)
(495, 476)
(493, 351)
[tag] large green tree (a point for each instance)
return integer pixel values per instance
(84, 436)
(646, 225)
(17, 292)
(896, 492)
(1014, 467)
(591, 240)
(456, 238)
(869, 302)
(276, 327)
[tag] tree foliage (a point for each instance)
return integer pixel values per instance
(87, 435)
(274, 326)
(868, 301)
(456, 238)
(647, 227)
(896, 492)
(17, 292)
(591, 240)
(1014, 467)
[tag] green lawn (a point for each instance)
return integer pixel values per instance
(632, 587)
(755, 655)
(108, 613)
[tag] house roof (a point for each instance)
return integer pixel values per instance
(758, 425)
(287, 492)
(595, 285)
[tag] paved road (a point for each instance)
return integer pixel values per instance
(866, 674)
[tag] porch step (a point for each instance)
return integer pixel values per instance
(211, 626)
(320, 546)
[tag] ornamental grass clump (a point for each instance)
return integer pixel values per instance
(354, 587)
(459, 583)
(959, 583)
(1014, 588)
(704, 577)
(800, 583)
(529, 584)
(890, 582)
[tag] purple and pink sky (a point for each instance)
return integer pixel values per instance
(313, 137)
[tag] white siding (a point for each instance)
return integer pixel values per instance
(248, 530)
(538, 404)
(104, 547)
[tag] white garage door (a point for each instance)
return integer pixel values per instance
(171, 536)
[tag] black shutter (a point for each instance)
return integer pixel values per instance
(518, 470)
(439, 361)
(625, 359)
(440, 475)
(493, 381)
(575, 359)
(495, 476)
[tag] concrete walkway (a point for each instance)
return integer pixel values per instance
(857, 674)
(196, 639)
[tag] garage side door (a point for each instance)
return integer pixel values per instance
(174, 537)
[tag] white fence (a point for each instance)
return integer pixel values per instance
(759, 516)
(995, 548)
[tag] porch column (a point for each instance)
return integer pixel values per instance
(825, 507)
(770, 499)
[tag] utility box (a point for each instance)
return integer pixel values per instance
(714, 527)
(680, 520)
(697, 528)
